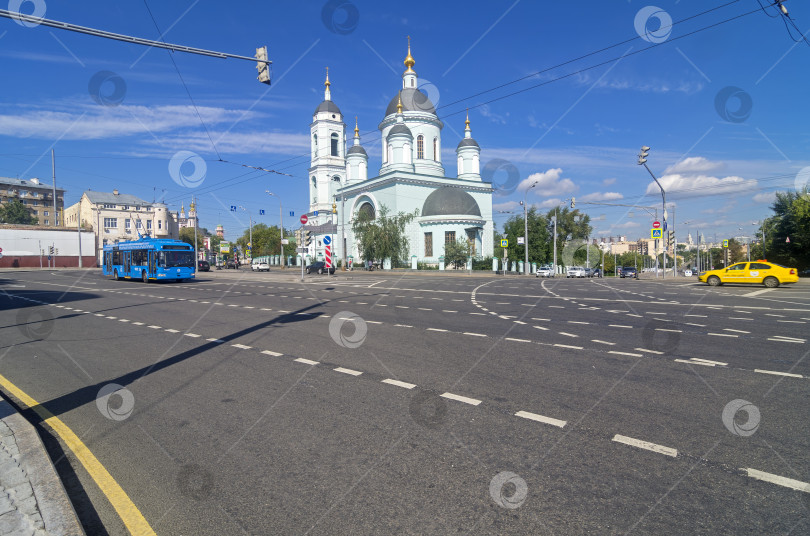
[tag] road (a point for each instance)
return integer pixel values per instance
(381, 403)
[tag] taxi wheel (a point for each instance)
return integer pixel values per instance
(771, 282)
(713, 281)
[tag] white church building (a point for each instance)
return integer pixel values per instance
(410, 178)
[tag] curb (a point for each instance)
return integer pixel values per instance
(53, 504)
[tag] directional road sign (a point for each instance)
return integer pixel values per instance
(327, 240)
(656, 233)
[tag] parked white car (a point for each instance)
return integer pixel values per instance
(575, 271)
(260, 266)
(544, 271)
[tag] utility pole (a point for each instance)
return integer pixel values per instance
(526, 231)
(79, 231)
(280, 224)
(196, 219)
(642, 161)
(53, 171)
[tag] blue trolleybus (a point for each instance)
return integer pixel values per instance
(150, 259)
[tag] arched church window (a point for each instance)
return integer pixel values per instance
(335, 144)
(366, 210)
(314, 145)
(420, 146)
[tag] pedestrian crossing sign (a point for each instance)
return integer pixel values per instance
(504, 243)
(656, 233)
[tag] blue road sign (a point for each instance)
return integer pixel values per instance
(261, 212)
(233, 208)
(315, 213)
(656, 233)
(292, 213)
(665, 225)
(327, 240)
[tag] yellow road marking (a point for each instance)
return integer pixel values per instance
(127, 511)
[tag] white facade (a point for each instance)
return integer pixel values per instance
(411, 178)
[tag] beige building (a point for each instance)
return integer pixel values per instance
(617, 248)
(37, 196)
(116, 217)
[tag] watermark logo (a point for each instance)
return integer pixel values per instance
(16, 6)
(123, 398)
(107, 88)
(340, 16)
(733, 104)
(35, 324)
(337, 332)
(187, 169)
(802, 181)
(195, 481)
(508, 490)
(424, 100)
(653, 337)
(653, 24)
(428, 409)
(751, 424)
(503, 175)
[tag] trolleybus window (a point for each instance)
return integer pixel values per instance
(176, 259)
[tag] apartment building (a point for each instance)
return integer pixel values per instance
(37, 196)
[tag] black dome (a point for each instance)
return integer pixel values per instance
(468, 142)
(357, 149)
(400, 128)
(449, 201)
(413, 100)
(327, 106)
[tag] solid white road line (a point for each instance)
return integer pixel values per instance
(776, 373)
(798, 485)
(660, 449)
(305, 361)
(541, 418)
(348, 371)
(459, 398)
(270, 352)
(399, 383)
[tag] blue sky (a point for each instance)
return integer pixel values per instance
(724, 110)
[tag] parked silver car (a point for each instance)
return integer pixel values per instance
(575, 271)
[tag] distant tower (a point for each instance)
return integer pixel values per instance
(328, 163)
(192, 215)
(220, 231)
(356, 159)
(469, 155)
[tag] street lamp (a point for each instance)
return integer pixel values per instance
(642, 161)
(526, 230)
(280, 224)
(250, 216)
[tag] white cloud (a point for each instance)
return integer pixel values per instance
(608, 182)
(548, 203)
(508, 205)
(548, 183)
(601, 196)
(704, 184)
(694, 164)
(765, 197)
(235, 142)
(489, 114)
(646, 86)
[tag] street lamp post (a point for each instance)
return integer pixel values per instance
(250, 217)
(280, 224)
(763, 236)
(642, 161)
(526, 230)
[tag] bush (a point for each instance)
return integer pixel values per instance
(426, 266)
(482, 264)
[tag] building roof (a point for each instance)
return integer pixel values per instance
(467, 142)
(447, 201)
(400, 128)
(28, 183)
(110, 198)
(357, 149)
(413, 100)
(327, 106)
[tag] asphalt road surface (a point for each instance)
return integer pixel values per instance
(379, 403)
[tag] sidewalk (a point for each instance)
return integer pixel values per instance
(32, 498)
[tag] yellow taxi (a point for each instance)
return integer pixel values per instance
(758, 272)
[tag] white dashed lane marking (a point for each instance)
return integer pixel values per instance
(660, 449)
(348, 371)
(797, 485)
(241, 346)
(305, 361)
(459, 398)
(399, 383)
(777, 373)
(270, 352)
(541, 418)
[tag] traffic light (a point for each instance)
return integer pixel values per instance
(670, 239)
(263, 66)
(50, 250)
(307, 238)
(573, 202)
(642, 156)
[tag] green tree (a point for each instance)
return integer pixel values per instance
(791, 220)
(456, 253)
(382, 237)
(539, 241)
(571, 225)
(187, 236)
(15, 212)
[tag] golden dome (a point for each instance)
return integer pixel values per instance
(327, 83)
(399, 103)
(409, 61)
(356, 128)
(467, 122)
